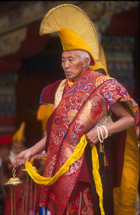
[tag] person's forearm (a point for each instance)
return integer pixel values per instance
(28, 153)
(39, 146)
(125, 120)
(120, 125)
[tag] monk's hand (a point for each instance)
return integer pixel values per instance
(92, 137)
(40, 155)
(20, 158)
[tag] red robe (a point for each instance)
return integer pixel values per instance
(103, 92)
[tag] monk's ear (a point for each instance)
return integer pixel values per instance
(85, 62)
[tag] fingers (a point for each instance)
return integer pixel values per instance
(18, 162)
(92, 144)
(92, 140)
(44, 153)
(14, 163)
(38, 156)
(89, 141)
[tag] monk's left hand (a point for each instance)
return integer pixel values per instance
(92, 137)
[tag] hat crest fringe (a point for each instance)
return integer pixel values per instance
(71, 17)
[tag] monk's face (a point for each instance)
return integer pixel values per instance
(17, 147)
(73, 64)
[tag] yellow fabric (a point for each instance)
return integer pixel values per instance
(70, 83)
(59, 93)
(44, 159)
(71, 17)
(97, 66)
(43, 113)
(72, 41)
(125, 196)
(19, 135)
(97, 178)
(31, 160)
(101, 64)
(78, 152)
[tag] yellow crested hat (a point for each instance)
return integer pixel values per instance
(19, 135)
(71, 41)
(75, 30)
(74, 27)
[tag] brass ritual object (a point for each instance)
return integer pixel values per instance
(14, 180)
(28, 187)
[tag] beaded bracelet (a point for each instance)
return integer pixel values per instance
(101, 137)
(106, 131)
(98, 132)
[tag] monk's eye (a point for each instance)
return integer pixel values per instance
(70, 59)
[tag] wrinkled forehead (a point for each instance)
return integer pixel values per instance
(72, 53)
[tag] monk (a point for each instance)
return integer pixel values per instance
(93, 106)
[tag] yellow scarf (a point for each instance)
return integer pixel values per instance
(78, 152)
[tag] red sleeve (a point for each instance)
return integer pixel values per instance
(48, 93)
(137, 116)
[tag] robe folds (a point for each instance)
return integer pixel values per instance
(79, 109)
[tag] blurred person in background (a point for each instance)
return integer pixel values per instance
(18, 144)
(5, 142)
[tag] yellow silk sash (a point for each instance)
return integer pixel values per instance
(78, 152)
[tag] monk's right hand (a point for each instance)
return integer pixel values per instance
(21, 157)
